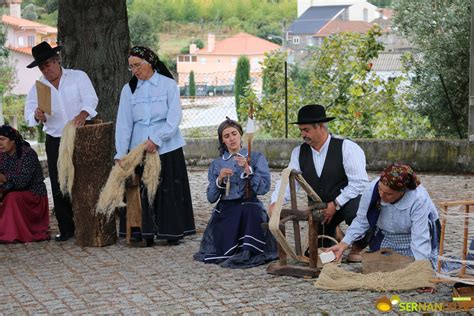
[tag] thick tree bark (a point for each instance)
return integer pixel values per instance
(92, 165)
(95, 38)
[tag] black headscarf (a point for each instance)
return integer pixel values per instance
(150, 56)
(227, 123)
(13, 134)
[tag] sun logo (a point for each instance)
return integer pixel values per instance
(384, 304)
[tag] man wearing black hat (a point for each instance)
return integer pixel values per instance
(73, 98)
(334, 167)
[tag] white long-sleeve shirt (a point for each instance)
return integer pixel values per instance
(75, 93)
(353, 160)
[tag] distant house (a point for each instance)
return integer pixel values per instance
(322, 18)
(318, 19)
(214, 65)
(21, 36)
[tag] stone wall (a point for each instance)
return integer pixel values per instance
(445, 156)
(442, 156)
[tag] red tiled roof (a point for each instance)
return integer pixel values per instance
(28, 25)
(22, 50)
(338, 26)
(26, 50)
(241, 44)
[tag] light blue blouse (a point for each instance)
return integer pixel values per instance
(259, 178)
(409, 215)
(152, 112)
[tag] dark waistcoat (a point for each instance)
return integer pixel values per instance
(333, 177)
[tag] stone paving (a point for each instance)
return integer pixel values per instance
(55, 278)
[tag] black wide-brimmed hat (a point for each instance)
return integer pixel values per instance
(312, 113)
(42, 52)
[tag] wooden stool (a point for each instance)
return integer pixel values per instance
(134, 206)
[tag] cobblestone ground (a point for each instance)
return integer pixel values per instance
(50, 277)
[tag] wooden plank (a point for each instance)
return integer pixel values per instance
(296, 224)
(455, 203)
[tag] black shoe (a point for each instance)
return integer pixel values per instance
(172, 242)
(64, 236)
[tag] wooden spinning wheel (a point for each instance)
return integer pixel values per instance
(312, 214)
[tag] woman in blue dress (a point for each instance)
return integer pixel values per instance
(234, 237)
(150, 112)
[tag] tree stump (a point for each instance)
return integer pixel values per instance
(92, 160)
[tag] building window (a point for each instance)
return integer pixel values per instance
(296, 40)
(187, 59)
(202, 60)
(309, 41)
(31, 41)
(233, 61)
(366, 15)
(21, 41)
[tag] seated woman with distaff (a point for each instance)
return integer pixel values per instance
(397, 211)
(24, 212)
(234, 237)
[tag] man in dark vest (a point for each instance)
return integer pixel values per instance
(335, 169)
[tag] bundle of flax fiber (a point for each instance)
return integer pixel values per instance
(112, 194)
(65, 164)
(416, 275)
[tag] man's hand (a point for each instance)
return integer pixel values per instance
(150, 147)
(40, 116)
(80, 119)
(338, 249)
(329, 213)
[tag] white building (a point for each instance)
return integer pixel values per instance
(21, 36)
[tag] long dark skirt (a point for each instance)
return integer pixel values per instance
(171, 215)
(234, 237)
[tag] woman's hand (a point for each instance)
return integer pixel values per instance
(118, 162)
(3, 178)
(150, 147)
(338, 249)
(224, 173)
(242, 162)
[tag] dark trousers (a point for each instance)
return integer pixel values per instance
(62, 204)
(347, 213)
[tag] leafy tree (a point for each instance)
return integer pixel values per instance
(7, 70)
(366, 106)
(141, 31)
(339, 76)
(29, 12)
(440, 32)
(242, 77)
(192, 84)
(270, 112)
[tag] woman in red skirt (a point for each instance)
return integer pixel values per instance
(24, 213)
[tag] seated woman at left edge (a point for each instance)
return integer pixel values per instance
(24, 212)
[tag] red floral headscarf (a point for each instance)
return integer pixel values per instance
(399, 177)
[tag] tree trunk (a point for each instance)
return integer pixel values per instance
(95, 38)
(91, 171)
